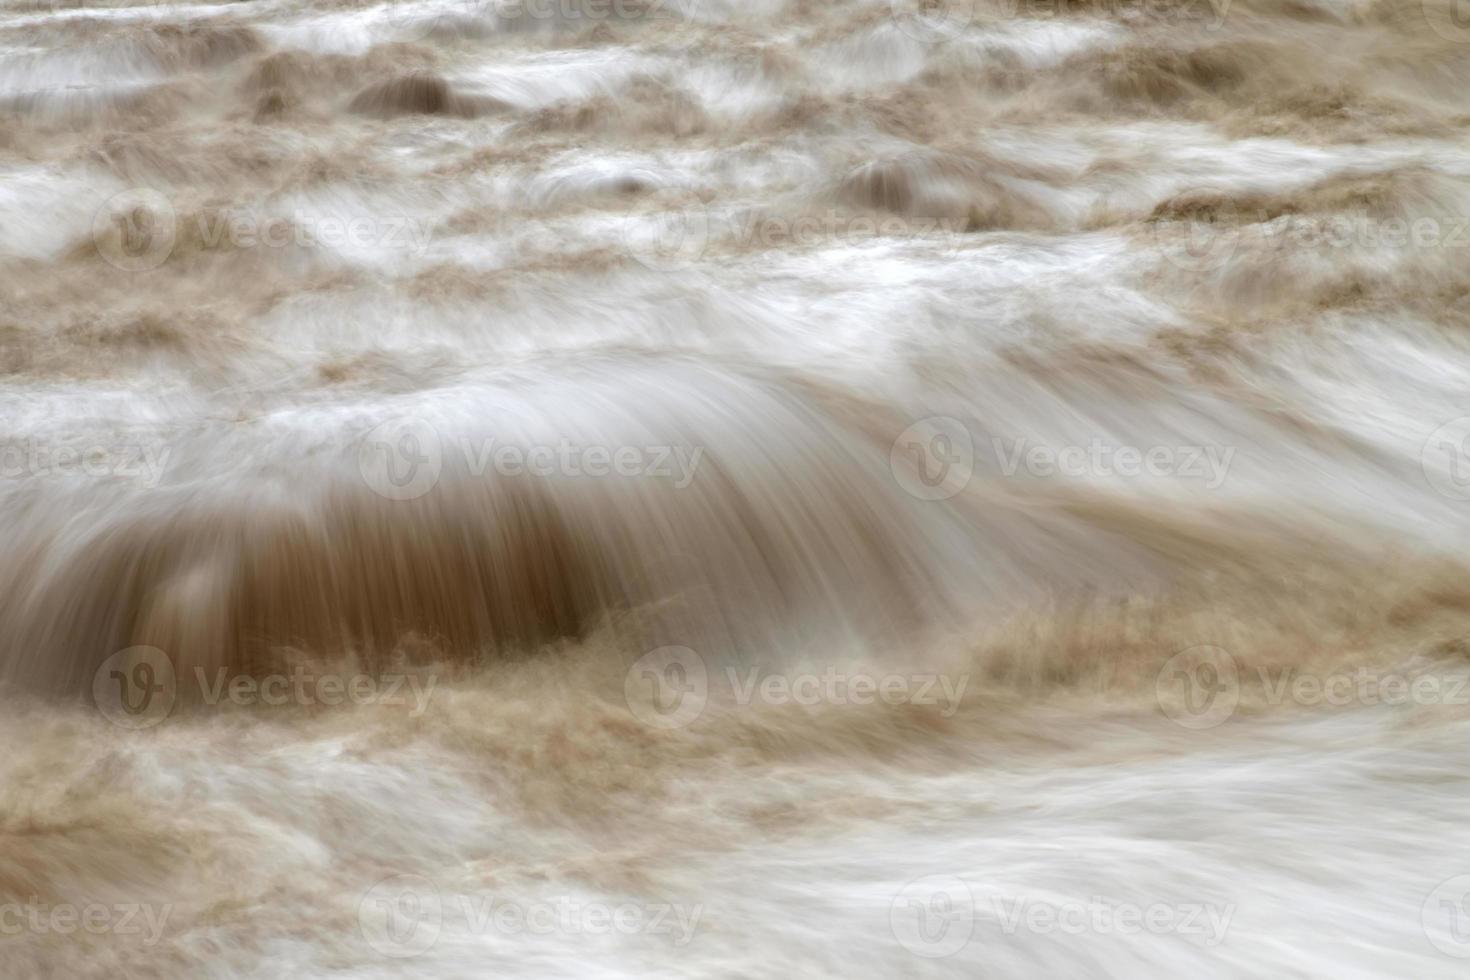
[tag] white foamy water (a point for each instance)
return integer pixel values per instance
(690, 489)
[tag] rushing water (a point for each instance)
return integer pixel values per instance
(560, 488)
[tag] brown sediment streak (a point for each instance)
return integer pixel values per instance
(418, 93)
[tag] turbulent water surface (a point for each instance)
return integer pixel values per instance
(560, 488)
